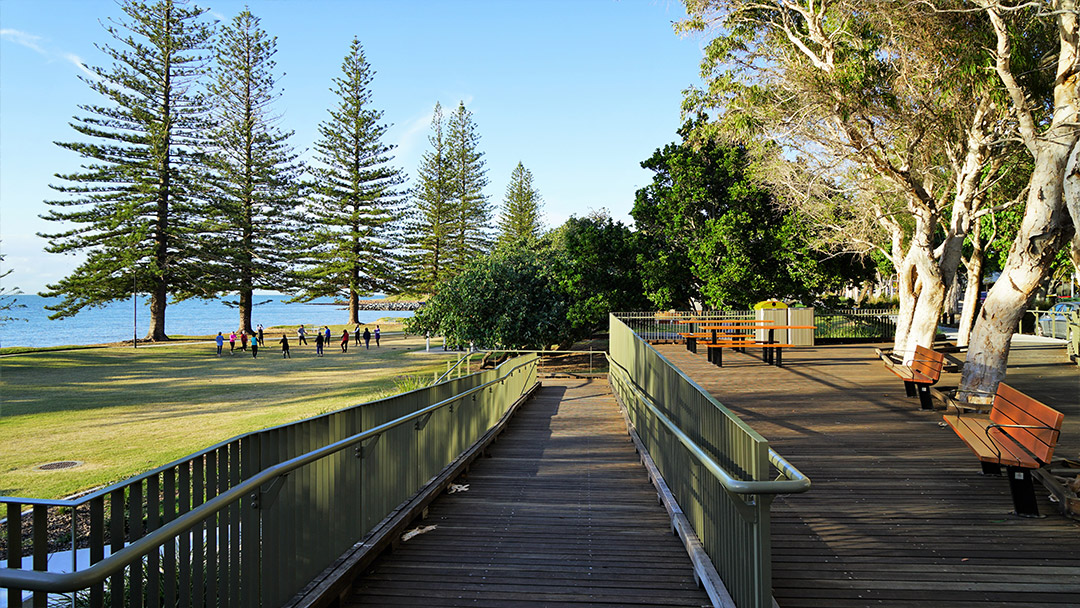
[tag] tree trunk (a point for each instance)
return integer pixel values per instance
(354, 307)
(158, 296)
(1046, 227)
(907, 294)
(245, 311)
(971, 298)
(931, 277)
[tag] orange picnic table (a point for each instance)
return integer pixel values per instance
(771, 353)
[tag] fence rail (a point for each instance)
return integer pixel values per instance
(869, 324)
(722, 473)
(250, 521)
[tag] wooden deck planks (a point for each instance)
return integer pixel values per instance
(561, 514)
(899, 514)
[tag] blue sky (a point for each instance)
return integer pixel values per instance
(580, 91)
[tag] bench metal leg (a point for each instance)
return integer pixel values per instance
(779, 357)
(909, 388)
(991, 468)
(925, 399)
(1023, 492)
(718, 359)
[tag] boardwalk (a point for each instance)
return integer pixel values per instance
(562, 513)
(898, 514)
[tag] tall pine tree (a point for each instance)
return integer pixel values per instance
(471, 227)
(136, 203)
(520, 220)
(256, 174)
(433, 216)
(357, 208)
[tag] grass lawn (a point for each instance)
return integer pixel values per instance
(123, 411)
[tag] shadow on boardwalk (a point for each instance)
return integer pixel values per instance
(899, 514)
(561, 514)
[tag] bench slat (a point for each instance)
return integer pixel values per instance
(1011, 407)
(972, 430)
(928, 363)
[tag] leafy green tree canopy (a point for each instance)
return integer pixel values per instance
(506, 300)
(713, 235)
(595, 262)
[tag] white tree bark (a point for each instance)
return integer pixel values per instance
(1046, 225)
(971, 300)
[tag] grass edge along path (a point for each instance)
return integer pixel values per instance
(123, 411)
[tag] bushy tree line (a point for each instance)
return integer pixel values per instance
(190, 188)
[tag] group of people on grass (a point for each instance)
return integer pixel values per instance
(322, 337)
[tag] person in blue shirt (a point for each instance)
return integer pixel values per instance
(220, 339)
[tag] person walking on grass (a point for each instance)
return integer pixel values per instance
(376, 335)
(254, 348)
(260, 330)
(356, 334)
(327, 328)
(285, 347)
(220, 339)
(318, 343)
(232, 343)
(367, 339)
(344, 340)
(300, 335)
(243, 341)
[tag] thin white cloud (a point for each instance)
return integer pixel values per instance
(75, 59)
(30, 41)
(33, 42)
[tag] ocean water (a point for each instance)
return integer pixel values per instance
(116, 321)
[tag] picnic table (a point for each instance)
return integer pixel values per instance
(772, 352)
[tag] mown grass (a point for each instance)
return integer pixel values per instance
(122, 411)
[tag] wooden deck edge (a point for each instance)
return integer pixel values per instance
(704, 571)
(331, 585)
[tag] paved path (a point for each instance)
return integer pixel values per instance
(898, 514)
(561, 514)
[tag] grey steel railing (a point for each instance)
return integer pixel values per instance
(665, 326)
(842, 324)
(876, 324)
(722, 473)
(250, 521)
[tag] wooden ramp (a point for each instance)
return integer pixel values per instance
(899, 514)
(562, 513)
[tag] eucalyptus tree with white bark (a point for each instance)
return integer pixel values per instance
(1049, 127)
(882, 100)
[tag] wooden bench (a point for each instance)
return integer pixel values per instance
(920, 375)
(771, 352)
(691, 339)
(1020, 434)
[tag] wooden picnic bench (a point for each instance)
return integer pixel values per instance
(772, 352)
(918, 376)
(1019, 433)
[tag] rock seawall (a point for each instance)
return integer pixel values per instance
(400, 305)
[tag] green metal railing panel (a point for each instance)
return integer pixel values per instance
(718, 468)
(250, 521)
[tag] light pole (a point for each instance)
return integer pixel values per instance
(134, 307)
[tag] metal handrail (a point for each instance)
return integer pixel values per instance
(466, 356)
(795, 482)
(63, 582)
